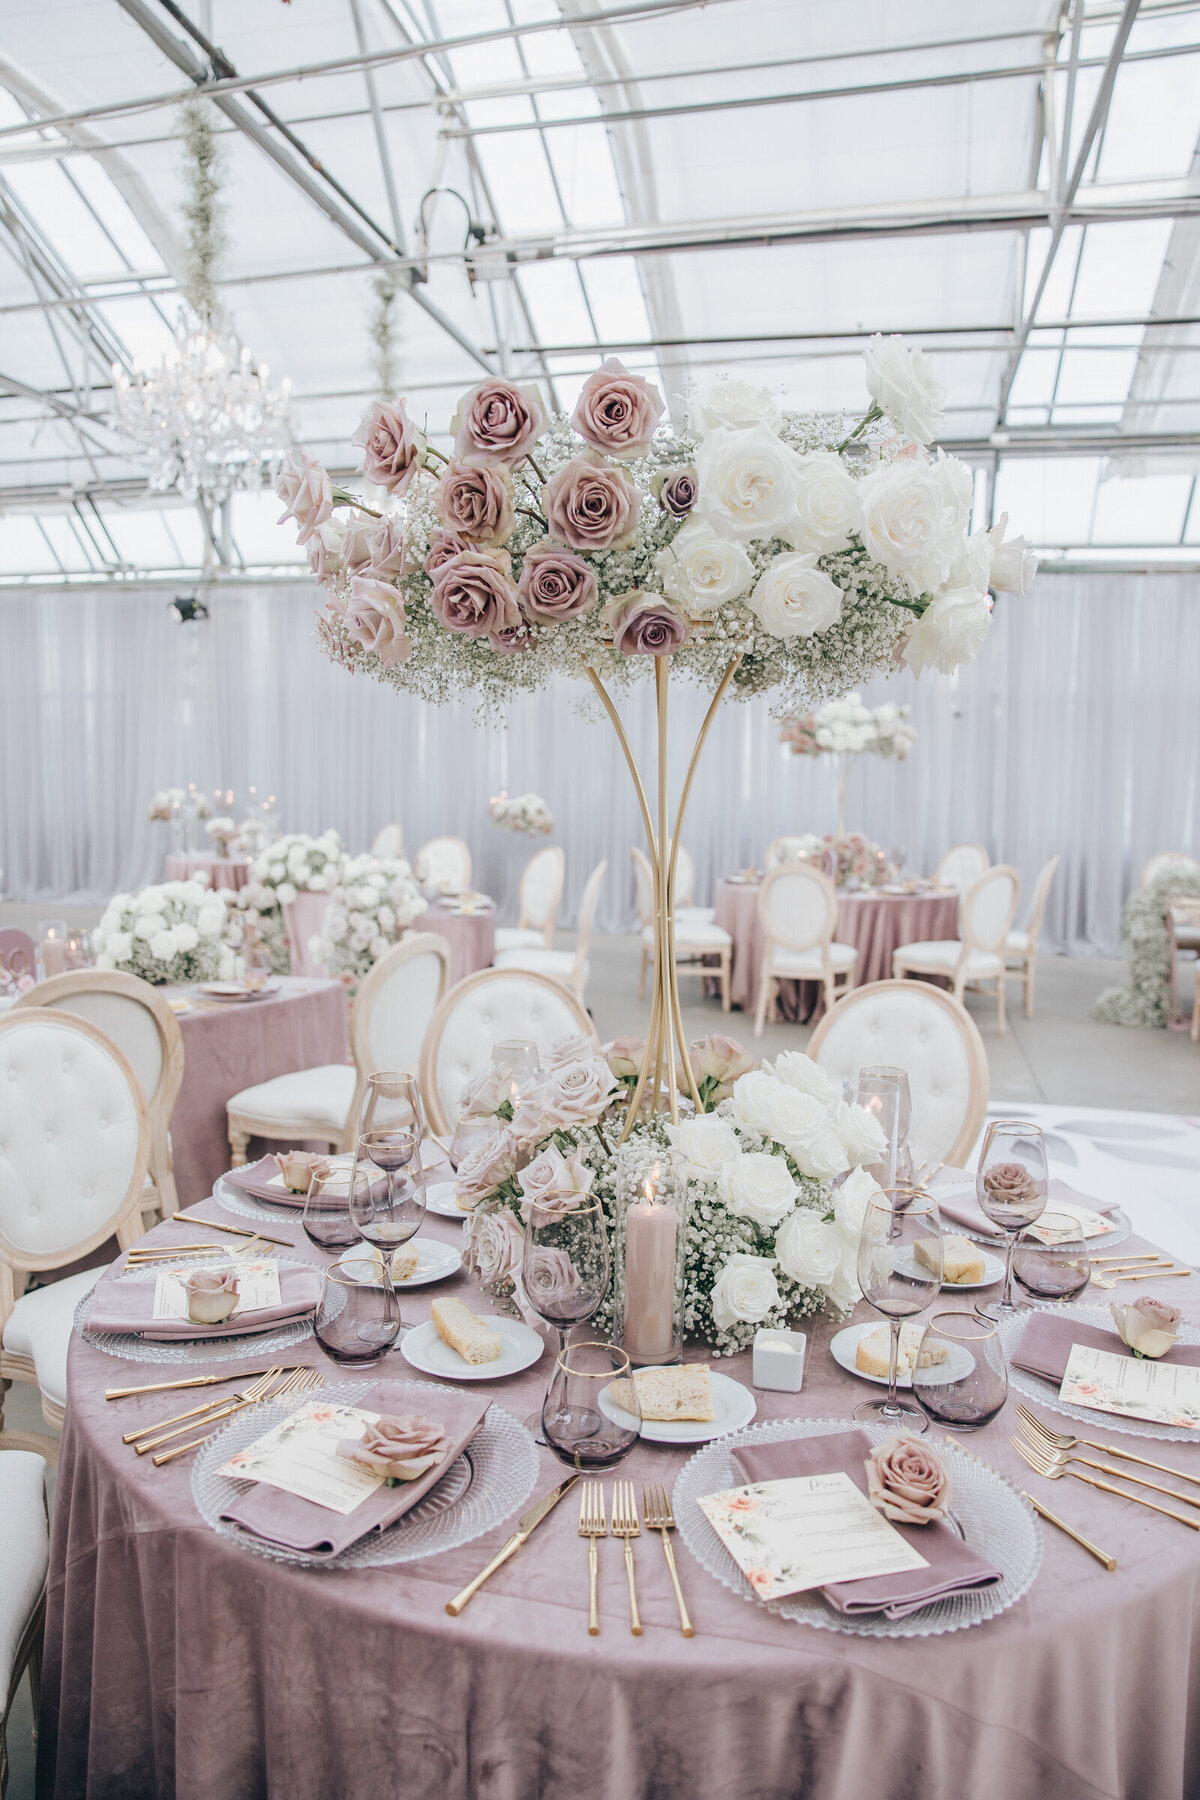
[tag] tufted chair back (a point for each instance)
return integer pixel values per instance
(985, 911)
(494, 1004)
(443, 860)
(388, 842)
(541, 890)
(395, 1003)
(961, 866)
(74, 1142)
(927, 1033)
(797, 906)
(133, 1014)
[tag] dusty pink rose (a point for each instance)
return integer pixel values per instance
(624, 1056)
(494, 1244)
(1149, 1327)
(485, 1166)
(511, 639)
(556, 584)
(574, 1095)
(676, 490)
(357, 546)
(392, 447)
(474, 595)
(1008, 1183)
(442, 546)
(475, 499)
(554, 1183)
(617, 413)
(591, 506)
(645, 624)
(718, 1060)
(389, 558)
(907, 1481)
(307, 494)
(400, 1447)
(299, 1166)
(376, 618)
(211, 1295)
(325, 550)
(498, 419)
(550, 1283)
(573, 1049)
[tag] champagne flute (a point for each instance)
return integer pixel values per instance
(899, 1286)
(890, 1072)
(580, 1433)
(1011, 1184)
(564, 1268)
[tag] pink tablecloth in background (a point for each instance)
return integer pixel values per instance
(234, 1045)
(876, 923)
(471, 937)
(222, 871)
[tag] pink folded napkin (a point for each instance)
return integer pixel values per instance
(256, 1179)
(964, 1209)
(127, 1306)
(1045, 1346)
(954, 1568)
(289, 1519)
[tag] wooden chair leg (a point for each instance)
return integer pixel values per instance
(238, 1142)
(642, 976)
(1000, 1006)
(760, 1013)
(1030, 977)
(726, 998)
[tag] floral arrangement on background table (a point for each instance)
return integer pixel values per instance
(1146, 935)
(850, 727)
(293, 864)
(521, 812)
(223, 835)
(174, 932)
(166, 804)
(374, 903)
(857, 857)
(768, 1238)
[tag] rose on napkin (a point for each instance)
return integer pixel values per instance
(907, 1481)
(212, 1295)
(400, 1447)
(298, 1168)
(1149, 1327)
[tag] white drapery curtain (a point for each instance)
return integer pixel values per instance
(1074, 731)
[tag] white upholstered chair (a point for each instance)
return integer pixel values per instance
(388, 842)
(914, 1026)
(541, 894)
(797, 911)
(1021, 947)
(568, 966)
(24, 1562)
(701, 947)
(76, 1146)
(443, 862)
(1174, 862)
(975, 958)
(137, 1018)
(391, 1012)
(475, 1014)
(962, 866)
(686, 910)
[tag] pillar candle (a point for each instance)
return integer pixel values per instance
(54, 956)
(650, 1232)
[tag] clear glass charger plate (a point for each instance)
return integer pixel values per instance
(247, 1207)
(990, 1513)
(226, 1349)
(491, 1480)
(1122, 1222)
(1046, 1392)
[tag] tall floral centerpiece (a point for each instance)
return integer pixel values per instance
(847, 729)
(754, 549)
(294, 864)
(526, 813)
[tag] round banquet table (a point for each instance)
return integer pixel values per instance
(180, 1664)
(874, 922)
(222, 871)
(231, 1045)
(471, 936)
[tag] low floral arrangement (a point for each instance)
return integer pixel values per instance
(850, 727)
(375, 901)
(521, 812)
(820, 550)
(1147, 939)
(293, 864)
(857, 856)
(769, 1239)
(167, 804)
(176, 932)
(223, 835)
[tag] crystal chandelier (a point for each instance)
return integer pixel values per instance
(206, 420)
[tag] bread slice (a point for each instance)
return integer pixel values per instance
(405, 1263)
(680, 1392)
(457, 1326)
(961, 1260)
(873, 1355)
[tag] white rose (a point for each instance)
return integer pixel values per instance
(958, 490)
(735, 404)
(861, 1133)
(297, 858)
(809, 1249)
(285, 893)
(907, 524)
(902, 384)
(105, 961)
(851, 1201)
(745, 1291)
(950, 631)
(163, 945)
(1014, 564)
(120, 945)
(800, 1071)
(709, 1143)
(276, 872)
(701, 571)
(152, 899)
(210, 921)
(793, 598)
(826, 513)
(797, 1121)
(186, 936)
(758, 1187)
(226, 965)
(972, 565)
(146, 924)
(747, 483)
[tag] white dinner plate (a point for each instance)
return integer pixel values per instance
(733, 1404)
(993, 1271)
(437, 1261)
(441, 1197)
(425, 1350)
(844, 1344)
(235, 990)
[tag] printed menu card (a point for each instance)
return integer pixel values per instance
(258, 1286)
(806, 1532)
(301, 1457)
(1165, 1393)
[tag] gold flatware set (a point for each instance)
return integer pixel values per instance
(271, 1384)
(1054, 1454)
(594, 1524)
(1144, 1266)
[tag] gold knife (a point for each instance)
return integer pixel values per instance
(532, 1518)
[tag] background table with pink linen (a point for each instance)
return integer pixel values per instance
(222, 871)
(471, 936)
(178, 1664)
(232, 1045)
(875, 923)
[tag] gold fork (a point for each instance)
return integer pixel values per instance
(1060, 1440)
(302, 1381)
(1041, 1464)
(656, 1510)
(592, 1526)
(256, 1387)
(1089, 1462)
(625, 1525)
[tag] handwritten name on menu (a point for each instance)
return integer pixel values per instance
(1165, 1393)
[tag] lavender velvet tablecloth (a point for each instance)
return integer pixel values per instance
(222, 871)
(471, 937)
(179, 1667)
(233, 1045)
(877, 924)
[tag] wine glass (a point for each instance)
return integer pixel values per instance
(897, 856)
(1011, 1184)
(522, 1060)
(899, 1284)
(358, 1315)
(576, 1427)
(889, 1072)
(392, 1098)
(391, 1211)
(1051, 1260)
(328, 1217)
(960, 1375)
(880, 1096)
(564, 1268)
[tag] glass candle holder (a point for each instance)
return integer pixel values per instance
(650, 1252)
